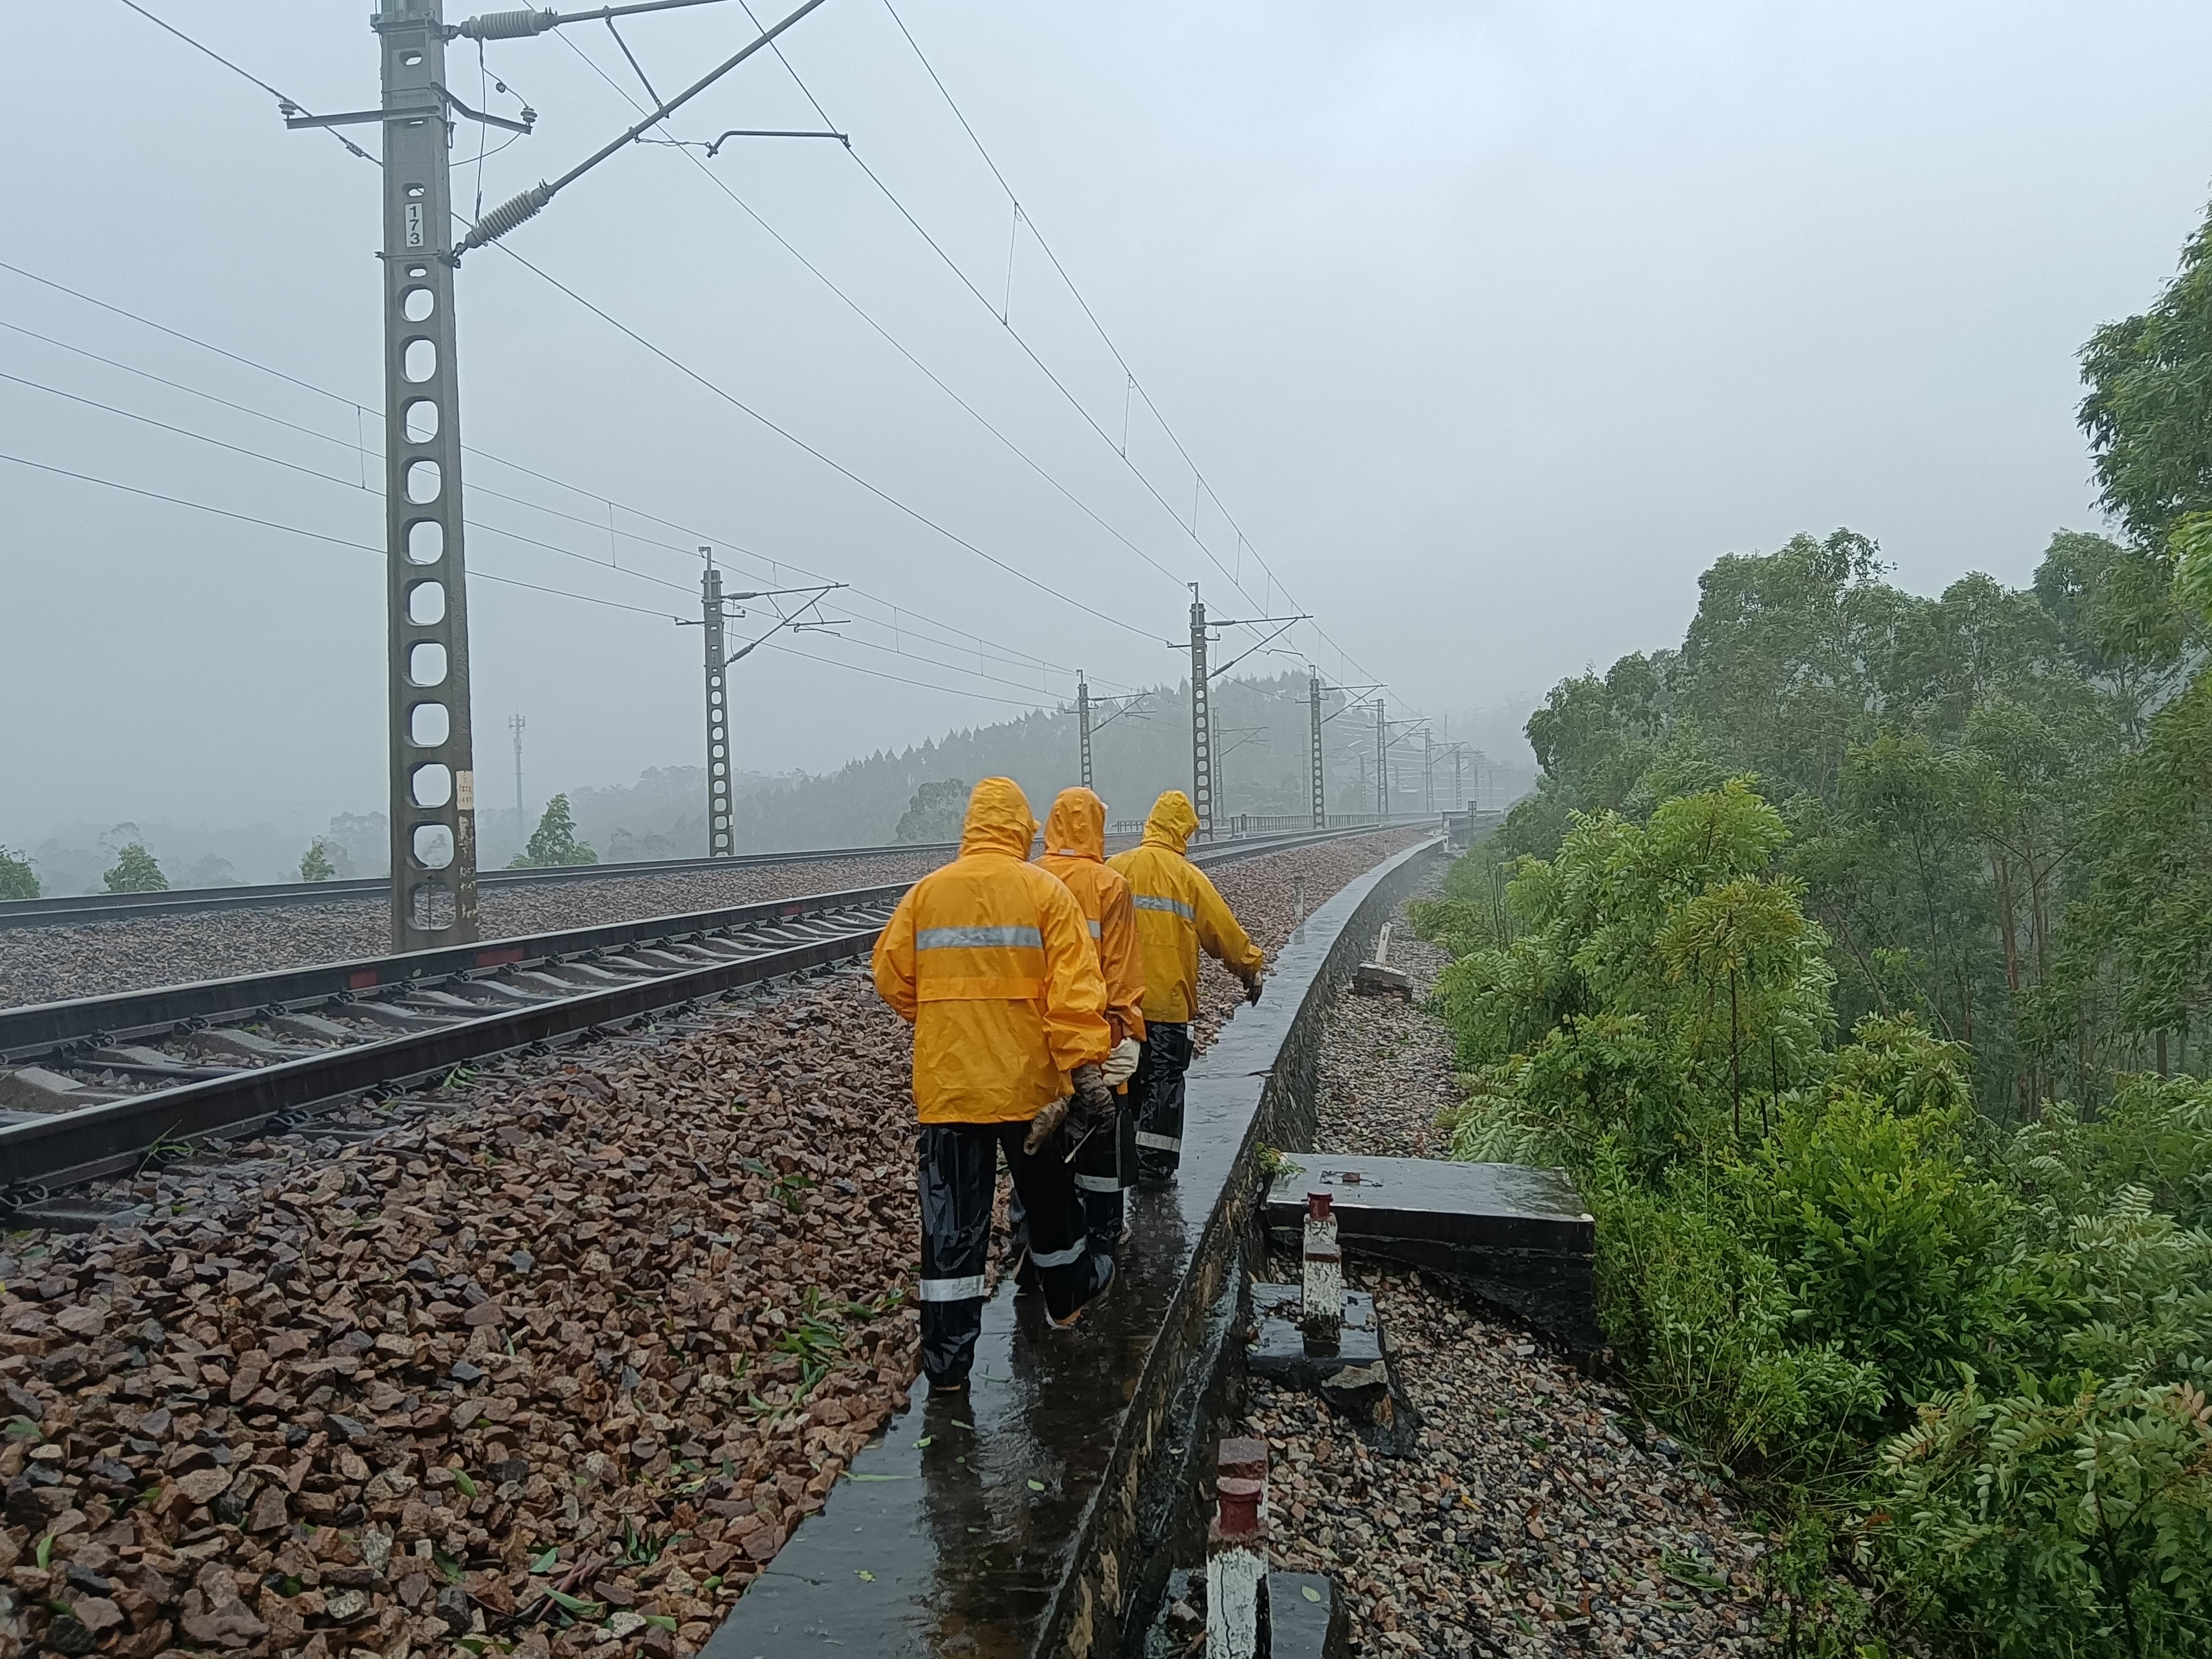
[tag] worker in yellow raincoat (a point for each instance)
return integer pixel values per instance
(1075, 851)
(990, 961)
(1178, 915)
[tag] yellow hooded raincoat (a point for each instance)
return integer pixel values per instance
(989, 960)
(1177, 912)
(1075, 851)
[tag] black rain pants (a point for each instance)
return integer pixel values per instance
(959, 1178)
(1156, 1090)
(1106, 1166)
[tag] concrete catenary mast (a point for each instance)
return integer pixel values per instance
(432, 763)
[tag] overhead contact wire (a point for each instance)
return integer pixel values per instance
(1004, 654)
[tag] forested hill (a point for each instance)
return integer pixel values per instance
(1263, 726)
(1996, 799)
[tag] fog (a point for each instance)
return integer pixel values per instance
(1491, 325)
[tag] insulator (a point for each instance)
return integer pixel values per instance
(505, 216)
(508, 25)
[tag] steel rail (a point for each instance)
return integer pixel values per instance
(96, 1140)
(66, 909)
(72, 1146)
(38, 1028)
(63, 910)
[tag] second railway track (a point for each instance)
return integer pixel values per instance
(97, 1084)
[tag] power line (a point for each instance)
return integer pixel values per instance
(727, 396)
(496, 530)
(297, 529)
(486, 575)
(790, 437)
(352, 147)
(882, 495)
(890, 339)
(1008, 654)
(1138, 385)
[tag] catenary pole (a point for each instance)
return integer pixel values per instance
(1202, 721)
(719, 840)
(1082, 722)
(514, 724)
(431, 754)
(1381, 761)
(1320, 792)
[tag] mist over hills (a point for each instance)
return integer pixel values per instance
(1262, 727)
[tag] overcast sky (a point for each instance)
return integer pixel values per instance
(1491, 324)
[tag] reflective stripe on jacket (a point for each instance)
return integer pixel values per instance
(1179, 913)
(1075, 851)
(990, 959)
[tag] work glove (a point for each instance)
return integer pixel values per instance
(1121, 1065)
(1252, 982)
(1093, 1106)
(1043, 1125)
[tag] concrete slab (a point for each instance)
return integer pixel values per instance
(1516, 1236)
(1284, 1353)
(1306, 1618)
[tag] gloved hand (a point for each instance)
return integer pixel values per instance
(1043, 1125)
(1252, 982)
(1121, 1065)
(1093, 1105)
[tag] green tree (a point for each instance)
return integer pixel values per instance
(136, 870)
(936, 812)
(2149, 410)
(315, 863)
(554, 841)
(17, 879)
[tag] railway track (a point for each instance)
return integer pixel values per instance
(72, 910)
(98, 1085)
(63, 910)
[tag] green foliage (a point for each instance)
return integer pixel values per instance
(2153, 1135)
(2149, 411)
(17, 879)
(554, 841)
(2070, 1511)
(1979, 1359)
(1712, 1334)
(136, 870)
(1886, 1234)
(315, 863)
(936, 812)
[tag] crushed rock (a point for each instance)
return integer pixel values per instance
(1536, 1514)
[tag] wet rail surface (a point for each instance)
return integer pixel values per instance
(92, 1085)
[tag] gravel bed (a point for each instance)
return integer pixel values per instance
(556, 1362)
(1536, 1513)
(47, 964)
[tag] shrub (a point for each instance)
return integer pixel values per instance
(17, 879)
(1886, 1238)
(1711, 1331)
(553, 842)
(136, 870)
(315, 863)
